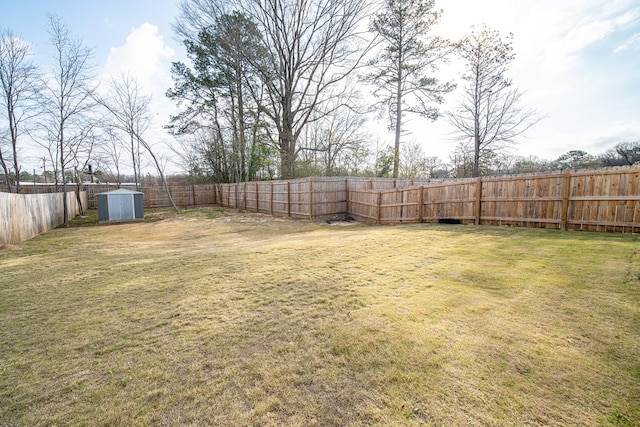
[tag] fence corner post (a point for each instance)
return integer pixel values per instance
(478, 205)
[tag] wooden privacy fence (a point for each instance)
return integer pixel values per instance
(155, 196)
(23, 216)
(593, 200)
(590, 200)
(303, 198)
(604, 200)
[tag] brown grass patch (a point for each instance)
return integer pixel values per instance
(212, 317)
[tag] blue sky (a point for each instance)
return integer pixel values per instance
(100, 24)
(577, 61)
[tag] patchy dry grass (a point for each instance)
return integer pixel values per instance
(212, 318)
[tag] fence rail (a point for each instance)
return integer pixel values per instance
(590, 200)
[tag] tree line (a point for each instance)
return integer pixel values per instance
(63, 112)
(278, 89)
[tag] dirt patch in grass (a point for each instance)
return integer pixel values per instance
(7, 247)
(218, 317)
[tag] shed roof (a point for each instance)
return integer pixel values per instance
(121, 191)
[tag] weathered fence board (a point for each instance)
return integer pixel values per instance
(23, 216)
(527, 201)
(606, 200)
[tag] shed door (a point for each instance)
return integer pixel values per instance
(120, 207)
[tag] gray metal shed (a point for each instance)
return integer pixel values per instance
(120, 205)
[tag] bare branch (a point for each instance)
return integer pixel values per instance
(19, 91)
(489, 114)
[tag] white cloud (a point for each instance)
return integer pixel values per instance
(147, 58)
(144, 55)
(632, 43)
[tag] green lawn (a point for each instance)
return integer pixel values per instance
(219, 318)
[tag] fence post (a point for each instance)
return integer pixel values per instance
(310, 198)
(271, 199)
(379, 203)
(257, 197)
(245, 195)
(420, 202)
(289, 199)
(478, 200)
(566, 192)
(346, 202)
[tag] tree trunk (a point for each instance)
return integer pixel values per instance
(136, 177)
(6, 172)
(476, 125)
(14, 146)
(476, 156)
(396, 149)
(65, 212)
(65, 216)
(287, 153)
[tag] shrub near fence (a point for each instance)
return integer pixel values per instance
(23, 216)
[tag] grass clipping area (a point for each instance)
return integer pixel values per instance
(214, 317)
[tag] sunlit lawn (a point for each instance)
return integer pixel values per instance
(219, 318)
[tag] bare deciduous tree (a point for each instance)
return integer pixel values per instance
(129, 111)
(416, 164)
(301, 56)
(489, 114)
(18, 97)
(112, 153)
(332, 145)
(312, 47)
(623, 154)
(128, 108)
(67, 99)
